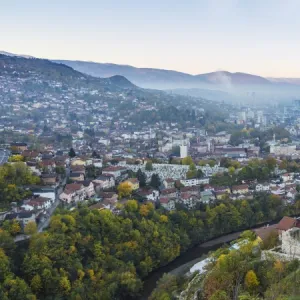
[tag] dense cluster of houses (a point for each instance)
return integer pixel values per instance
(75, 184)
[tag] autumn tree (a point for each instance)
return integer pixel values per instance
(30, 228)
(16, 158)
(251, 281)
(124, 189)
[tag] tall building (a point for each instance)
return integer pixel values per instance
(183, 151)
(243, 116)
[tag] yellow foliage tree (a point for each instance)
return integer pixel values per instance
(251, 281)
(144, 210)
(65, 285)
(16, 158)
(30, 228)
(15, 227)
(131, 205)
(80, 274)
(125, 189)
(278, 266)
(163, 219)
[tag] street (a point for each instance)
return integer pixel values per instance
(50, 211)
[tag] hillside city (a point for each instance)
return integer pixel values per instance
(75, 149)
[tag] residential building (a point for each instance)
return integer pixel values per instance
(72, 193)
(167, 203)
(49, 179)
(240, 189)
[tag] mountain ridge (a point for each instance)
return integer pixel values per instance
(24, 66)
(157, 77)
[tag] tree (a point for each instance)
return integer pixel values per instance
(30, 228)
(131, 205)
(36, 283)
(65, 285)
(251, 281)
(60, 170)
(271, 163)
(141, 176)
(15, 227)
(155, 181)
(72, 153)
(237, 138)
(95, 154)
(149, 166)
(200, 174)
(4, 265)
(125, 189)
(187, 161)
(16, 158)
(231, 171)
(192, 172)
(219, 295)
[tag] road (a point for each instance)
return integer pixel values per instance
(50, 211)
(4, 154)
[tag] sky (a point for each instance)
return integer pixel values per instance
(253, 36)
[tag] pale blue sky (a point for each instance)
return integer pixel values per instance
(255, 36)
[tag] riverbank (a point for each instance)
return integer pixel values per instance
(186, 260)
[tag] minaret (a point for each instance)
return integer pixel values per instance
(274, 136)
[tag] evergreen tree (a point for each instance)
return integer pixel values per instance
(155, 181)
(141, 176)
(72, 153)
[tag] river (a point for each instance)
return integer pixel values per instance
(186, 260)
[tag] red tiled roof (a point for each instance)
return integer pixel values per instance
(164, 200)
(113, 169)
(286, 223)
(168, 191)
(72, 187)
(265, 231)
(240, 187)
(189, 188)
(185, 195)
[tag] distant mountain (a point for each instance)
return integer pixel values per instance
(219, 85)
(144, 77)
(285, 80)
(12, 54)
(224, 77)
(121, 81)
(21, 67)
(163, 79)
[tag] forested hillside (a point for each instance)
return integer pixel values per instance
(91, 254)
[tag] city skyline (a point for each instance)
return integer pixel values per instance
(195, 37)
